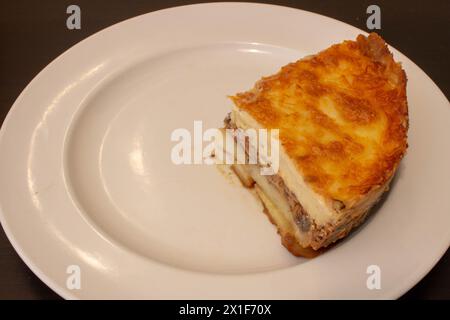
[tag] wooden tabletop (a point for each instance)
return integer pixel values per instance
(33, 33)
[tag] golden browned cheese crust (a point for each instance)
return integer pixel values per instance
(342, 115)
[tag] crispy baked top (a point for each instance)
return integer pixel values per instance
(342, 115)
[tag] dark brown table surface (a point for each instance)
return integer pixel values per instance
(33, 33)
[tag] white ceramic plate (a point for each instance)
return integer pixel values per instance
(86, 177)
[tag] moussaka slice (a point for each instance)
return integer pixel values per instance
(342, 118)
